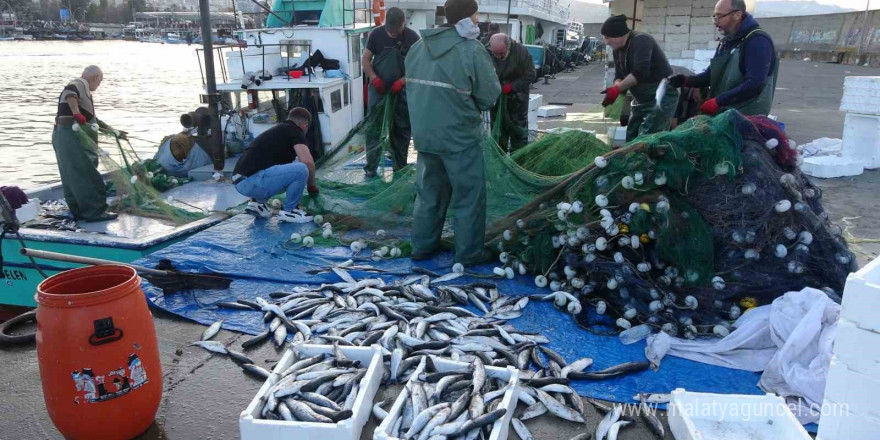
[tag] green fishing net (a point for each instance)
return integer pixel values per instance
(614, 110)
(137, 184)
(560, 154)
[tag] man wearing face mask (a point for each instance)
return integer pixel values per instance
(639, 67)
(516, 71)
(387, 47)
(742, 74)
(450, 79)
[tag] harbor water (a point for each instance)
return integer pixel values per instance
(146, 86)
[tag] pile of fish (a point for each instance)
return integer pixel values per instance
(319, 388)
(414, 319)
(447, 404)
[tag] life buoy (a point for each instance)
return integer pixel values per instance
(378, 12)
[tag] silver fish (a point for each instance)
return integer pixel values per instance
(212, 346)
(652, 397)
(558, 409)
(612, 433)
(535, 410)
(448, 277)
(212, 331)
(651, 420)
(606, 423)
(578, 366)
(659, 93)
(521, 429)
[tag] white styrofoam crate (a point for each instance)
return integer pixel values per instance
(533, 126)
(549, 111)
(678, 38)
(861, 297)
(704, 55)
(535, 101)
(827, 167)
(858, 391)
(653, 13)
(839, 423)
(678, 10)
(857, 348)
(682, 62)
(678, 20)
(861, 139)
(28, 211)
(699, 66)
(654, 29)
(708, 416)
(509, 400)
(676, 29)
(251, 427)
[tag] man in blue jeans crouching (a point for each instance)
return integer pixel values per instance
(278, 160)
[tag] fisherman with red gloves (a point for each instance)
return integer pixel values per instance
(742, 74)
(516, 71)
(84, 190)
(387, 46)
(639, 68)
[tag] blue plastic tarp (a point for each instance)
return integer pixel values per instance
(253, 252)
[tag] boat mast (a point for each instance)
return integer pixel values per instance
(212, 98)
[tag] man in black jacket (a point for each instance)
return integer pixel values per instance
(516, 72)
(639, 67)
(278, 160)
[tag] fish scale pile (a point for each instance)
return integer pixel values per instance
(418, 318)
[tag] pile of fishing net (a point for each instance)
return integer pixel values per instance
(350, 201)
(680, 230)
(135, 184)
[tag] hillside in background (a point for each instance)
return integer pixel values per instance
(794, 8)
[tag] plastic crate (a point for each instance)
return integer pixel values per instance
(251, 427)
(708, 416)
(509, 400)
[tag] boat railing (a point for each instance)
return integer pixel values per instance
(225, 61)
(360, 11)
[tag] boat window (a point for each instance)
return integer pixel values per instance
(346, 94)
(354, 56)
(335, 100)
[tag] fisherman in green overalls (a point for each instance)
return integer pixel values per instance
(742, 74)
(383, 58)
(451, 80)
(84, 189)
(639, 67)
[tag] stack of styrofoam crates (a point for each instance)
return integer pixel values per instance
(861, 128)
(535, 101)
(861, 131)
(850, 410)
(681, 28)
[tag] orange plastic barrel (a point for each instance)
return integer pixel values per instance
(99, 360)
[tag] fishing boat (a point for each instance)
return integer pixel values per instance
(334, 95)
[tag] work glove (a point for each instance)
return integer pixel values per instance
(378, 85)
(611, 95)
(313, 190)
(678, 81)
(710, 107)
(507, 89)
(398, 86)
(79, 118)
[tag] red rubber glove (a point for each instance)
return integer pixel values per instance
(710, 107)
(79, 118)
(378, 85)
(398, 86)
(313, 190)
(611, 95)
(507, 89)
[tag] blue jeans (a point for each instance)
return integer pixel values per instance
(266, 183)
